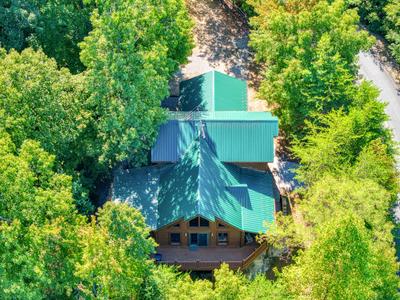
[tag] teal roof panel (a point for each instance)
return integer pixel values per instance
(130, 188)
(233, 140)
(229, 93)
(173, 140)
(197, 93)
(199, 184)
(213, 91)
(245, 116)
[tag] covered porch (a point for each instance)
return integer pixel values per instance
(209, 258)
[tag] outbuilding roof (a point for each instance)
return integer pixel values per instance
(199, 184)
(213, 91)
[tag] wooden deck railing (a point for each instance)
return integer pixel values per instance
(211, 265)
(254, 255)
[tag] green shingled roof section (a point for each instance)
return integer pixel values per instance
(213, 91)
(199, 184)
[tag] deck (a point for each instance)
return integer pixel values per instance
(207, 259)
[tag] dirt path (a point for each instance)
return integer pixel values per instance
(221, 44)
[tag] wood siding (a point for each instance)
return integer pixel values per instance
(235, 236)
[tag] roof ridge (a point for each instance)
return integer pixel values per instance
(198, 198)
(213, 91)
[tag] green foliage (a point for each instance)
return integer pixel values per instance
(46, 248)
(310, 58)
(116, 249)
(30, 189)
(18, 20)
(134, 48)
(342, 263)
(383, 17)
(371, 13)
(41, 102)
(338, 138)
(331, 196)
(374, 163)
(38, 241)
(228, 285)
(340, 232)
(55, 26)
(392, 27)
(44, 103)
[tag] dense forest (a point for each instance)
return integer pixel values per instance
(382, 17)
(81, 84)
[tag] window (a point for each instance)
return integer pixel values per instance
(176, 225)
(222, 238)
(199, 221)
(199, 239)
(204, 222)
(175, 238)
(221, 225)
(194, 222)
(249, 238)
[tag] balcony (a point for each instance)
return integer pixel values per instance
(207, 259)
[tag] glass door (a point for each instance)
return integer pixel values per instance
(193, 239)
(202, 239)
(199, 239)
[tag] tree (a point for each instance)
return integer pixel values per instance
(337, 138)
(55, 26)
(116, 250)
(39, 101)
(18, 21)
(309, 50)
(392, 27)
(330, 196)
(382, 17)
(134, 48)
(371, 13)
(343, 263)
(38, 224)
(376, 163)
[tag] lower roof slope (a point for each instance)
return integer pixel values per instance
(198, 184)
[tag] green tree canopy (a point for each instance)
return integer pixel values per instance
(371, 13)
(392, 27)
(55, 26)
(342, 263)
(116, 250)
(309, 50)
(337, 139)
(134, 48)
(38, 225)
(39, 101)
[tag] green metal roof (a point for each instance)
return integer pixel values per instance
(232, 138)
(213, 91)
(199, 184)
(222, 116)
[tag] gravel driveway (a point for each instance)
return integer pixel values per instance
(222, 44)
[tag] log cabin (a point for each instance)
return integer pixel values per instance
(208, 191)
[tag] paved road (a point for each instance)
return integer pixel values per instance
(372, 70)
